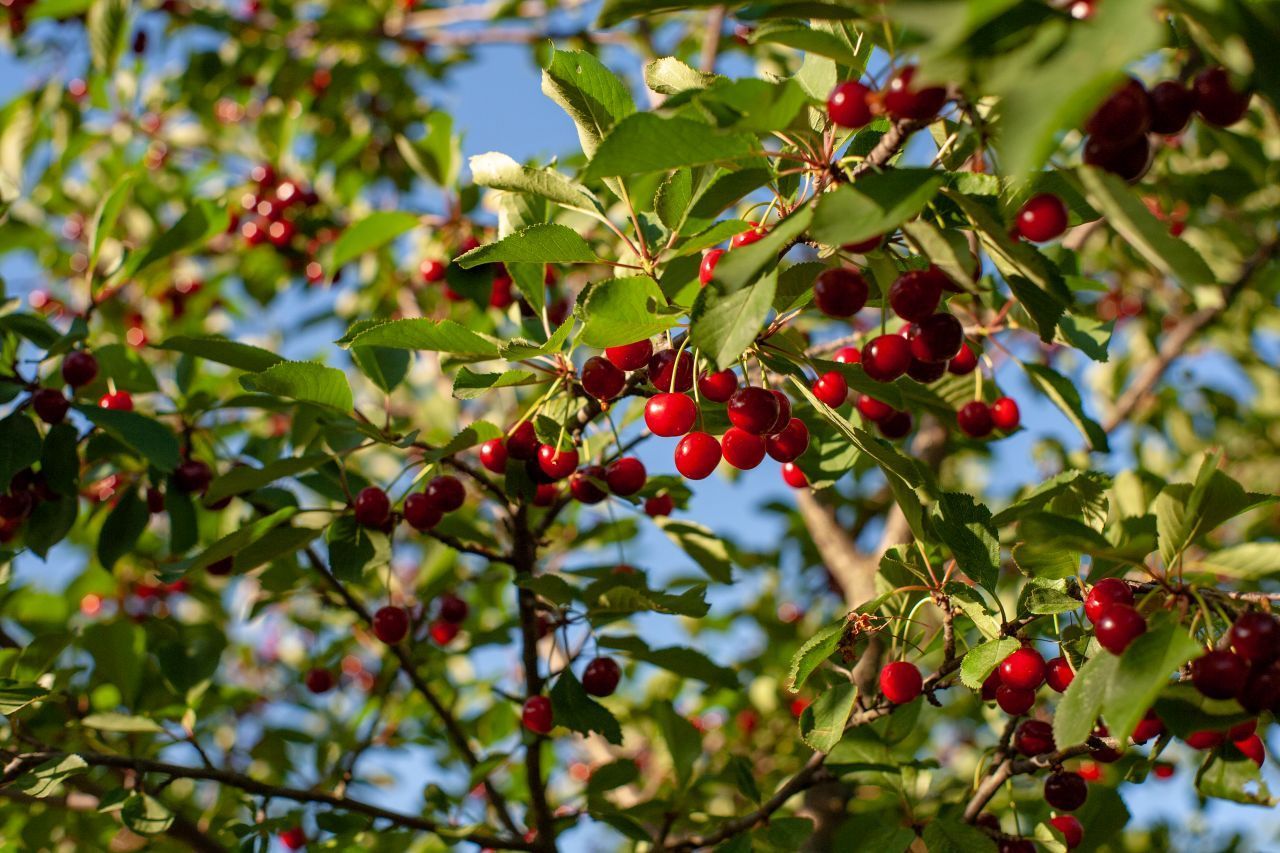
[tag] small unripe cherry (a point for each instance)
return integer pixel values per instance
(707, 269)
(320, 680)
(1034, 737)
(1058, 674)
(1070, 827)
(391, 624)
(601, 676)
(79, 368)
(119, 401)
(625, 475)
(697, 455)
(790, 443)
(630, 356)
(886, 357)
(1103, 594)
(1005, 414)
(557, 464)
(1119, 626)
(602, 379)
(840, 292)
(743, 450)
(536, 715)
(793, 476)
(1065, 791)
(1219, 674)
(901, 682)
(974, 419)
(658, 506)
(849, 104)
(718, 387)
(1042, 218)
(831, 388)
(1023, 669)
(670, 415)
(1014, 701)
(916, 294)
(754, 410)
(420, 512)
(493, 455)
(446, 492)
(587, 484)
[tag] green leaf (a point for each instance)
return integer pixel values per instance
(982, 660)
(152, 439)
(14, 696)
(122, 528)
(202, 222)
(701, 545)
(223, 351)
(467, 437)
(684, 743)
(146, 815)
(468, 385)
(1045, 597)
(723, 325)
(384, 366)
(952, 835)
(517, 349)
(1229, 775)
(1081, 704)
(947, 250)
(822, 723)
(743, 266)
(965, 527)
(305, 382)
(875, 204)
(373, 232)
(49, 523)
(44, 779)
(672, 200)
(574, 709)
(670, 76)
(815, 650)
(1144, 669)
(354, 548)
(1064, 394)
(235, 541)
(420, 333)
(113, 722)
(1249, 561)
(244, 479)
(537, 244)
(500, 172)
(589, 92)
(19, 446)
(644, 142)
(104, 219)
(108, 25)
(621, 311)
(683, 661)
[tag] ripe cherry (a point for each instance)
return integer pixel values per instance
(664, 368)
(625, 475)
(1103, 594)
(601, 676)
(658, 506)
(840, 292)
(831, 388)
(916, 293)
(1119, 626)
(294, 839)
(848, 355)
(587, 484)
(536, 715)
(1070, 827)
(861, 247)
(446, 492)
(1150, 726)
(1241, 731)
(746, 238)
(320, 680)
(1023, 669)
(1123, 116)
(1204, 740)
(1129, 160)
(1256, 637)
(493, 455)
(372, 507)
(1217, 101)
(886, 357)
(965, 362)
(1219, 674)
(522, 443)
(391, 624)
(896, 426)
(1005, 414)
(1058, 674)
(1065, 791)
(453, 609)
(431, 271)
(1014, 701)
(901, 682)
(1015, 845)
(784, 412)
(1042, 218)
(669, 415)
(1171, 106)
(545, 494)
(974, 419)
(793, 476)
(790, 443)
(925, 372)
(743, 450)
(849, 104)
(79, 368)
(120, 401)
(192, 477)
(707, 269)
(697, 455)
(601, 379)
(442, 632)
(1262, 690)
(873, 409)
(421, 512)
(718, 387)
(754, 410)
(901, 100)
(557, 464)
(1034, 737)
(937, 338)
(630, 356)
(50, 405)
(1252, 748)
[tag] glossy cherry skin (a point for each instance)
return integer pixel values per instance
(1217, 100)
(831, 388)
(442, 632)
(861, 247)
(793, 476)
(1023, 669)
(848, 355)
(446, 492)
(119, 401)
(1103, 594)
(872, 409)
(1252, 748)
(1148, 727)
(1058, 674)
(1042, 218)
(746, 238)
(743, 450)
(666, 374)
(901, 100)
(372, 507)
(294, 838)
(1005, 414)
(601, 379)
(790, 443)
(453, 609)
(545, 494)
(926, 372)
(1070, 827)
(1034, 737)
(557, 464)
(1065, 791)
(601, 676)
(784, 412)
(1123, 116)
(707, 269)
(897, 425)
(915, 294)
(522, 443)
(697, 455)
(1256, 637)
(536, 715)
(901, 682)
(974, 419)
(937, 338)
(630, 356)
(1129, 160)
(391, 624)
(1204, 740)
(753, 409)
(1119, 626)
(718, 387)
(965, 362)
(493, 455)
(587, 484)
(1014, 701)
(79, 368)
(670, 415)
(50, 405)
(320, 680)
(1171, 107)
(658, 506)
(840, 292)
(886, 357)
(625, 475)
(849, 104)
(431, 271)
(1219, 674)
(420, 512)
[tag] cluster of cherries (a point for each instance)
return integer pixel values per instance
(502, 293)
(273, 212)
(1118, 131)
(853, 104)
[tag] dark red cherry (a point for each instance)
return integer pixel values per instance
(849, 104)
(1205, 740)
(557, 464)
(320, 680)
(916, 294)
(743, 450)
(1252, 748)
(831, 388)
(1034, 737)
(372, 507)
(718, 387)
(1014, 701)
(601, 379)
(493, 455)
(630, 356)
(1125, 114)
(453, 609)
(420, 512)
(863, 246)
(1005, 414)
(666, 374)
(587, 484)
(1058, 674)
(658, 506)
(1217, 100)
(79, 368)
(965, 362)
(1105, 593)
(391, 624)
(192, 477)
(446, 492)
(1171, 106)
(1065, 791)
(536, 715)
(601, 676)
(1256, 637)
(707, 269)
(50, 405)
(901, 100)
(753, 409)
(896, 426)
(901, 682)
(1023, 669)
(872, 409)
(697, 455)
(221, 568)
(1042, 218)
(669, 415)
(974, 419)
(1119, 626)
(886, 357)
(522, 443)
(1128, 160)
(840, 292)
(625, 475)
(925, 372)
(793, 476)
(790, 443)
(937, 338)
(1219, 674)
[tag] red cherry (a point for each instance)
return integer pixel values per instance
(863, 246)
(192, 477)
(536, 715)
(421, 512)
(120, 401)
(784, 412)
(1042, 218)
(901, 682)
(916, 294)
(1204, 740)
(625, 475)
(925, 372)
(1023, 669)
(1014, 701)
(1034, 737)
(974, 419)
(453, 609)
(79, 368)
(1015, 845)
(50, 405)
(707, 270)
(1005, 414)
(849, 104)
(630, 356)
(1119, 626)
(886, 357)
(1058, 674)
(557, 464)
(848, 355)
(320, 680)
(372, 507)
(280, 232)
(896, 426)
(1171, 106)
(446, 492)
(391, 624)
(586, 484)
(697, 455)
(793, 476)
(669, 415)
(788, 445)
(294, 839)
(746, 238)
(1163, 770)
(718, 387)
(659, 505)
(431, 271)
(601, 676)
(964, 363)
(1070, 827)
(522, 443)
(831, 388)
(840, 292)
(442, 632)
(663, 369)
(1123, 116)
(873, 409)
(753, 410)
(1065, 791)
(1217, 101)
(1256, 637)
(601, 379)
(545, 494)
(1103, 594)
(493, 455)
(901, 101)
(1219, 674)
(1150, 726)
(500, 295)
(1252, 748)
(743, 450)
(1129, 160)
(937, 338)
(1240, 731)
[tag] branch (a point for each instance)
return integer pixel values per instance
(711, 39)
(1010, 767)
